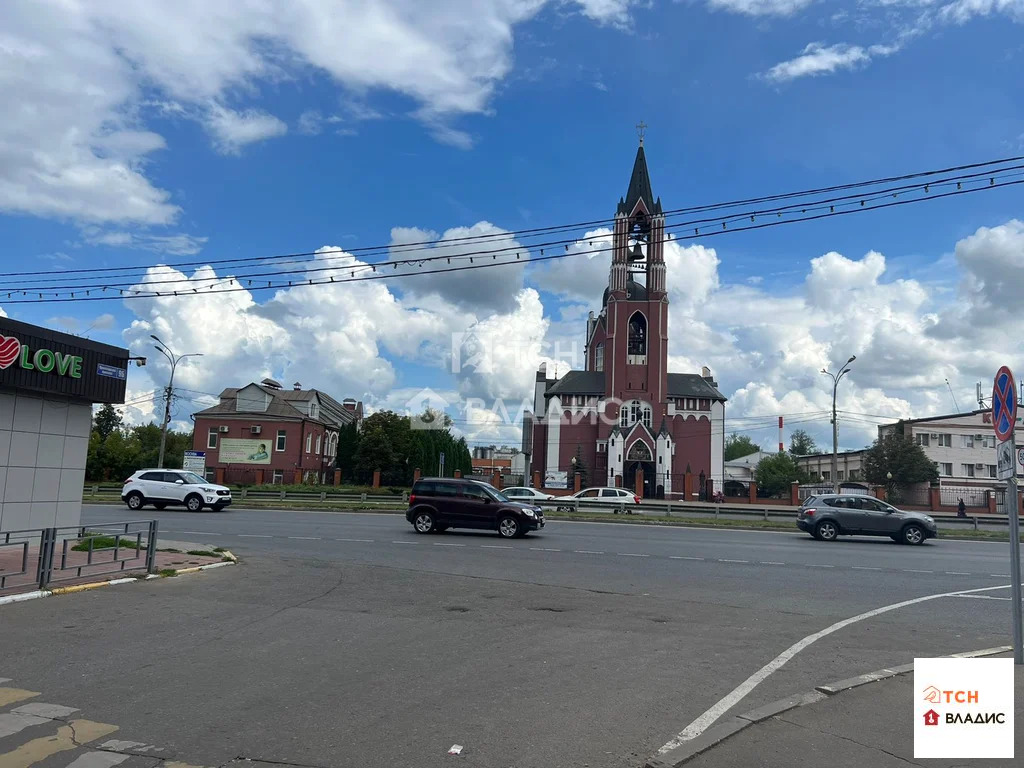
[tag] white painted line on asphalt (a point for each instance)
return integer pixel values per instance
(544, 549)
(405, 542)
(915, 570)
(713, 713)
(1000, 575)
(770, 562)
(98, 760)
(197, 533)
(587, 552)
(817, 565)
(447, 544)
(983, 597)
(865, 568)
(630, 554)
(305, 538)
(366, 541)
(256, 535)
(726, 560)
(957, 573)
(683, 557)
(495, 546)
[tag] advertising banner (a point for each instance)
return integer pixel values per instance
(237, 451)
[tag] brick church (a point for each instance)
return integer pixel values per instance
(629, 420)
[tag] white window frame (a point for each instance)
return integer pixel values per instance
(278, 477)
(966, 441)
(281, 443)
(599, 357)
(967, 470)
(211, 438)
(318, 443)
(309, 442)
(946, 468)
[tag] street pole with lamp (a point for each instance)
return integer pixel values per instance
(173, 360)
(836, 378)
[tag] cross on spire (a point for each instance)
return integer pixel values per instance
(641, 128)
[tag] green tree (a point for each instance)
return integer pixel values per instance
(106, 420)
(737, 446)
(348, 444)
(386, 444)
(801, 443)
(775, 473)
(896, 462)
(581, 467)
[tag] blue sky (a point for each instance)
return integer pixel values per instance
(193, 134)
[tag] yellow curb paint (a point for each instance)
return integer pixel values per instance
(78, 587)
(12, 695)
(229, 555)
(68, 737)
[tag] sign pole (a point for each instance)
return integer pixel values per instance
(1015, 596)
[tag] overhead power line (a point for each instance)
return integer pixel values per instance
(789, 214)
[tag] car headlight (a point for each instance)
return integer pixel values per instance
(206, 490)
(529, 513)
(929, 520)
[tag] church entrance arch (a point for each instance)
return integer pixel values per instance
(640, 457)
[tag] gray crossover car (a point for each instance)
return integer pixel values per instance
(835, 514)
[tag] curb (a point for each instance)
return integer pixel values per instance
(20, 598)
(719, 733)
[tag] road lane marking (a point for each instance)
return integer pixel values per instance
(98, 760)
(587, 552)
(305, 538)
(915, 570)
(957, 573)
(683, 557)
(495, 546)
(39, 709)
(405, 542)
(984, 597)
(713, 713)
(68, 737)
(199, 533)
(864, 568)
(12, 723)
(817, 565)
(544, 549)
(630, 554)
(447, 544)
(366, 541)
(770, 562)
(727, 560)
(1000, 575)
(256, 535)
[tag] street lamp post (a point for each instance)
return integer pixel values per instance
(836, 378)
(173, 360)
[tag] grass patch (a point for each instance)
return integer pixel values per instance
(219, 549)
(201, 553)
(104, 542)
(167, 572)
(170, 549)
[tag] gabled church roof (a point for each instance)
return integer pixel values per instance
(692, 385)
(640, 187)
(578, 383)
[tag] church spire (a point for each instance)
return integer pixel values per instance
(640, 185)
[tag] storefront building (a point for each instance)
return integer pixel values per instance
(48, 384)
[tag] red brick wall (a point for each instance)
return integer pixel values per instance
(292, 457)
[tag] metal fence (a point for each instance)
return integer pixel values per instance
(973, 497)
(43, 556)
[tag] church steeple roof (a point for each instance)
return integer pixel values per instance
(640, 186)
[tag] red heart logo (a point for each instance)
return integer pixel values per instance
(10, 347)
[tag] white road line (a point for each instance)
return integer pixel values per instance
(12, 723)
(683, 557)
(587, 552)
(957, 573)
(817, 565)
(706, 720)
(447, 544)
(405, 542)
(544, 549)
(915, 570)
(495, 546)
(630, 554)
(865, 568)
(198, 533)
(770, 562)
(98, 760)
(367, 541)
(984, 597)
(256, 535)
(726, 560)
(999, 575)
(305, 538)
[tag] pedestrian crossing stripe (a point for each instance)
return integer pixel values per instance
(68, 737)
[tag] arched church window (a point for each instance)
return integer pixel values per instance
(639, 451)
(634, 411)
(599, 357)
(637, 343)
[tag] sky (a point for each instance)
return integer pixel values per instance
(190, 132)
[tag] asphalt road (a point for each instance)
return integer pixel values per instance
(346, 639)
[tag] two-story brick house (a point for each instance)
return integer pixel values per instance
(262, 433)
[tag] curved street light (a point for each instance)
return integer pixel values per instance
(836, 378)
(173, 360)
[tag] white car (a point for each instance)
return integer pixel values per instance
(604, 496)
(173, 487)
(522, 493)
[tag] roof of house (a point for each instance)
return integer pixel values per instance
(592, 383)
(281, 406)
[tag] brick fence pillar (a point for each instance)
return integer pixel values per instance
(934, 499)
(880, 492)
(337, 477)
(688, 486)
(577, 482)
(794, 494)
(991, 499)
(458, 473)
(297, 479)
(639, 483)
(259, 477)
(376, 478)
(753, 492)
(618, 481)
(220, 476)
(416, 474)
(536, 480)
(496, 480)
(710, 486)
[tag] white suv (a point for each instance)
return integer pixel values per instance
(173, 487)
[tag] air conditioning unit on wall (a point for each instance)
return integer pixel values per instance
(225, 429)
(255, 430)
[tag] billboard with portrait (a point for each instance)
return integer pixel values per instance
(238, 451)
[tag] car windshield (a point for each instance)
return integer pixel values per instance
(192, 478)
(494, 493)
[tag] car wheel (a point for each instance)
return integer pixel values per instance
(913, 534)
(160, 506)
(423, 522)
(508, 527)
(826, 530)
(194, 503)
(135, 500)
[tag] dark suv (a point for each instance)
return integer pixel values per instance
(834, 514)
(439, 503)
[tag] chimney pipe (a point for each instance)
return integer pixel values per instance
(296, 386)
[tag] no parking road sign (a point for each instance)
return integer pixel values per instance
(1004, 404)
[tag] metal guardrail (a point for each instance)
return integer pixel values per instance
(43, 556)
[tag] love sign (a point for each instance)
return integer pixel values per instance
(13, 352)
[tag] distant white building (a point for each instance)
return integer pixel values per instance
(741, 470)
(962, 445)
(850, 466)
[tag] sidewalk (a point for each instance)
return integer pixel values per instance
(867, 726)
(104, 566)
